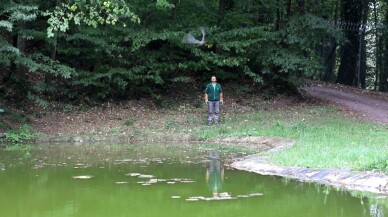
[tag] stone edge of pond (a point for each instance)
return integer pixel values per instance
(360, 181)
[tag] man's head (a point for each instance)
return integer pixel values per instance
(213, 79)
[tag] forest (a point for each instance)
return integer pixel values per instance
(78, 50)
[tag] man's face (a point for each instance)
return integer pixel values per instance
(214, 79)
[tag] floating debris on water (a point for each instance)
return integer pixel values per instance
(146, 184)
(249, 195)
(121, 183)
(242, 196)
(125, 160)
(170, 183)
(175, 197)
(151, 181)
(133, 174)
(255, 194)
(197, 197)
(146, 176)
(224, 194)
(192, 199)
(187, 181)
(220, 196)
(83, 177)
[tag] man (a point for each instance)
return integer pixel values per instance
(213, 98)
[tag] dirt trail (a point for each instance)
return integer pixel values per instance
(371, 107)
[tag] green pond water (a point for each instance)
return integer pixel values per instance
(159, 180)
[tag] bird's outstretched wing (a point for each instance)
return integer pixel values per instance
(190, 39)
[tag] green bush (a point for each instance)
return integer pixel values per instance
(21, 135)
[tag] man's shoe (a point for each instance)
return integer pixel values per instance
(209, 123)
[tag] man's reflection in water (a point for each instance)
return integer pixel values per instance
(215, 173)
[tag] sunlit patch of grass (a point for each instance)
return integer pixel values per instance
(330, 140)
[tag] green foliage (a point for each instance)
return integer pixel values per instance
(6, 24)
(164, 4)
(19, 12)
(90, 12)
(21, 135)
(88, 55)
(380, 165)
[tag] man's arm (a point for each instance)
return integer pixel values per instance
(206, 98)
(222, 98)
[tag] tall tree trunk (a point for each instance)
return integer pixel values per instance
(278, 15)
(383, 86)
(301, 6)
(378, 45)
(330, 53)
(174, 10)
(352, 12)
(288, 12)
(20, 43)
(49, 78)
(362, 62)
(223, 6)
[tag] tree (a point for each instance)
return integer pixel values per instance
(84, 49)
(383, 84)
(352, 13)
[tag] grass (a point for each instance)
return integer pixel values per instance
(324, 137)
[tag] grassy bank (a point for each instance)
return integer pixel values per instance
(324, 136)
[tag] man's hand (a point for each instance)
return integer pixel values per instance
(206, 101)
(222, 101)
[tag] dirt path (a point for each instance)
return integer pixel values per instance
(363, 103)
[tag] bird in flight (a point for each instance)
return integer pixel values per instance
(190, 39)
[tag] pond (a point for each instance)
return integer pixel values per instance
(159, 180)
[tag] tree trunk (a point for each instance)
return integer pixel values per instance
(378, 45)
(288, 12)
(223, 6)
(362, 67)
(20, 43)
(49, 78)
(174, 10)
(278, 16)
(352, 12)
(301, 6)
(383, 86)
(329, 53)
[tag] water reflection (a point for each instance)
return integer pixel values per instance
(215, 173)
(51, 183)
